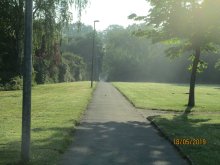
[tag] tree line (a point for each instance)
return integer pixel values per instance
(49, 18)
(185, 31)
(132, 58)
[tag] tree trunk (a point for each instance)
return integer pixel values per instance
(191, 101)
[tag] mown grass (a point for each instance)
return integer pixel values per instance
(55, 110)
(172, 97)
(197, 126)
(203, 123)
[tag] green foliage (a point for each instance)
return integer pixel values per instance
(80, 41)
(202, 65)
(11, 18)
(15, 83)
(131, 58)
(40, 69)
(63, 72)
(74, 67)
(177, 49)
(49, 17)
(193, 22)
(123, 53)
(217, 65)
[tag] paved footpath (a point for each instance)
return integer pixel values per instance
(113, 133)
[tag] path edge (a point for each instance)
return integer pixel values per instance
(164, 135)
(78, 122)
(161, 132)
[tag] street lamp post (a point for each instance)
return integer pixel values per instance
(93, 53)
(27, 72)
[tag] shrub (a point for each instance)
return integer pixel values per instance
(15, 83)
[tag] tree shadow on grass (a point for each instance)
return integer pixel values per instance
(43, 151)
(95, 143)
(115, 142)
(9, 152)
(187, 111)
(99, 143)
(194, 126)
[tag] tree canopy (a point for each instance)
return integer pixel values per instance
(190, 26)
(49, 18)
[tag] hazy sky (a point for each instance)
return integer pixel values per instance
(113, 12)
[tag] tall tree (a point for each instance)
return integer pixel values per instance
(49, 17)
(191, 26)
(11, 30)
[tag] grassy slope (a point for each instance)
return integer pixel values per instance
(199, 126)
(55, 110)
(170, 96)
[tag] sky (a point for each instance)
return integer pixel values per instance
(110, 12)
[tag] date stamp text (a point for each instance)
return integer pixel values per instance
(189, 141)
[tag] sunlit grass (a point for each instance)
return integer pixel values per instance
(170, 96)
(55, 110)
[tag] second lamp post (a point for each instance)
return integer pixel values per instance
(93, 54)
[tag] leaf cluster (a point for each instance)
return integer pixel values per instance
(184, 25)
(192, 21)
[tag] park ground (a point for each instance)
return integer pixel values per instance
(202, 123)
(57, 108)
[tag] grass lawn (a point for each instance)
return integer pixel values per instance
(197, 126)
(55, 110)
(204, 124)
(170, 96)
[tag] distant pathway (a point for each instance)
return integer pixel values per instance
(113, 133)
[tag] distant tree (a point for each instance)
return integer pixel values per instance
(190, 26)
(79, 41)
(120, 60)
(75, 66)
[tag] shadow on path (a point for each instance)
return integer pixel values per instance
(114, 143)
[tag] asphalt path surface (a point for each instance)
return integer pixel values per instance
(112, 132)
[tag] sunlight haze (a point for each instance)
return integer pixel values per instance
(110, 12)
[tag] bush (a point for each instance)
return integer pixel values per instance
(15, 83)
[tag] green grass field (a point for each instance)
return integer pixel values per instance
(204, 123)
(170, 96)
(55, 110)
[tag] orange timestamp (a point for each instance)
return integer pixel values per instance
(190, 141)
